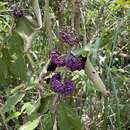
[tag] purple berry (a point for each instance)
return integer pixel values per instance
(57, 58)
(68, 38)
(56, 76)
(75, 62)
(57, 86)
(16, 12)
(69, 87)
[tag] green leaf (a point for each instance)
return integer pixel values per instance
(26, 30)
(18, 68)
(48, 122)
(16, 44)
(18, 88)
(68, 119)
(128, 13)
(84, 51)
(24, 27)
(28, 107)
(6, 56)
(13, 115)
(3, 71)
(123, 2)
(45, 103)
(31, 125)
(12, 101)
(35, 107)
(95, 49)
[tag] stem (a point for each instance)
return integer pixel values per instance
(83, 13)
(105, 118)
(55, 124)
(117, 104)
(47, 22)
(73, 14)
(77, 17)
(32, 63)
(120, 49)
(126, 56)
(44, 72)
(37, 12)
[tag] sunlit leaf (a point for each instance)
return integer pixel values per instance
(31, 125)
(12, 101)
(13, 115)
(27, 107)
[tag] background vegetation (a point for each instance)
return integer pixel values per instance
(103, 27)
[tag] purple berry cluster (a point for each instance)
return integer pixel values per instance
(68, 38)
(75, 62)
(14, 11)
(70, 61)
(57, 86)
(57, 58)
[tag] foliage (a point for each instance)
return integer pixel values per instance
(27, 101)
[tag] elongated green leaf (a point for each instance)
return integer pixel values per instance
(28, 107)
(45, 103)
(18, 68)
(95, 49)
(123, 2)
(12, 101)
(68, 118)
(3, 71)
(31, 125)
(41, 106)
(48, 122)
(16, 44)
(6, 56)
(35, 107)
